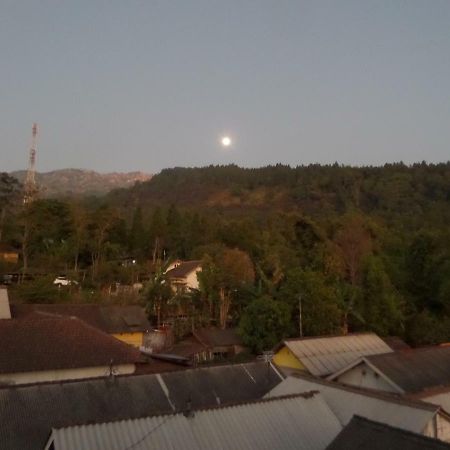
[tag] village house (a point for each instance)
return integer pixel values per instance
(127, 323)
(182, 275)
(421, 373)
(42, 349)
(203, 345)
(324, 355)
(347, 401)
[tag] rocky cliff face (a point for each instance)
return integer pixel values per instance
(67, 182)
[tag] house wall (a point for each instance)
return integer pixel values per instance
(364, 376)
(285, 358)
(192, 280)
(66, 374)
(135, 339)
(441, 399)
(443, 427)
(438, 427)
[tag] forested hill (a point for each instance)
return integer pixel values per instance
(393, 188)
(366, 248)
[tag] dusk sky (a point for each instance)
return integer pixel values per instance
(144, 85)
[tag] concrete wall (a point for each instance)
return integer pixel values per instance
(363, 376)
(66, 374)
(5, 311)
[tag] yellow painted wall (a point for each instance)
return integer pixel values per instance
(130, 338)
(285, 358)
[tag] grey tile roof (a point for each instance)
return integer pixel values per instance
(325, 355)
(346, 402)
(28, 413)
(108, 318)
(365, 434)
(302, 422)
(415, 370)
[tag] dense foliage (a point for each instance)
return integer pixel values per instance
(355, 248)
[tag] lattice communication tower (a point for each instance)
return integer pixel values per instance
(30, 187)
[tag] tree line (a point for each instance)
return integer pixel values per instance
(353, 248)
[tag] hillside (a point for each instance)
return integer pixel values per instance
(68, 182)
(318, 190)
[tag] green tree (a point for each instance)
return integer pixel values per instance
(321, 313)
(380, 304)
(264, 323)
(9, 196)
(223, 275)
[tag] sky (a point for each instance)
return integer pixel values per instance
(144, 85)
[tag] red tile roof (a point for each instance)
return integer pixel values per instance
(41, 343)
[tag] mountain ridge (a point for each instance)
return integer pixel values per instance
(74, 182)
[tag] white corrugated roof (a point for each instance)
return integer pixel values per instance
(303, 422)
(346, 402)
(325, 355)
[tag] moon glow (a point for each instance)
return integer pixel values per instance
(225, 141)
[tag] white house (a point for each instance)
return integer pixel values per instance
(183, 275)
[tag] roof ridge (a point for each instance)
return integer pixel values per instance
(371, 393)
(306, 395)
(327, 336)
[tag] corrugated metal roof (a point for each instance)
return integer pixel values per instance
(302, 422)
(346, 402)
(28, 413)
(325, 355)
(415, 370)
(369, 435)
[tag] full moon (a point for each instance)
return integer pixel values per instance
(226, 141)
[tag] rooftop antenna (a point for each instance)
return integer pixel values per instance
(30, 187)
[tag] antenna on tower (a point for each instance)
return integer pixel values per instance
(30, 181)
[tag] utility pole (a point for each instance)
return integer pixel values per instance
(300, 325)
(30, 181)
